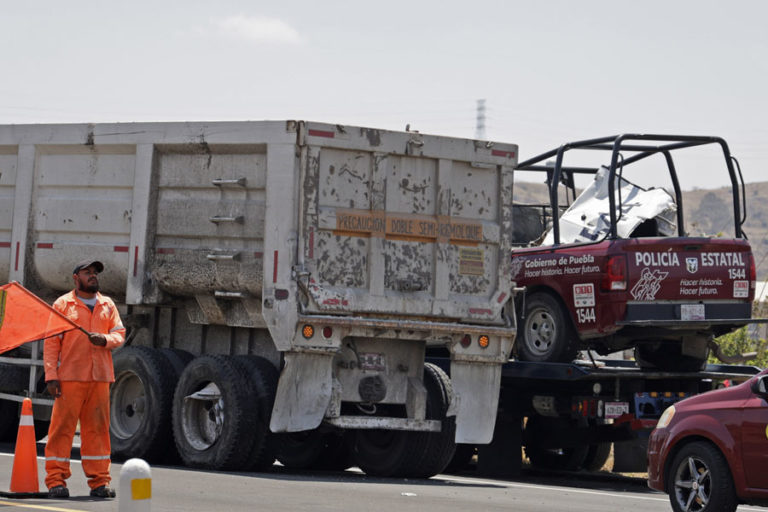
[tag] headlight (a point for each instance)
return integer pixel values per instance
(666, 417)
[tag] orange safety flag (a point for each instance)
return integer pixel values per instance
(25, 317)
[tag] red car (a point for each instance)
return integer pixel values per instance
(710, 452)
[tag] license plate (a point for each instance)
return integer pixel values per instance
(615, 409)
(370, 361)
(692, 312)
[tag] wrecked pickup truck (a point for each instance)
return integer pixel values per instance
(616, 269)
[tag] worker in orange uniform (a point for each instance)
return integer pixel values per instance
(78, 371)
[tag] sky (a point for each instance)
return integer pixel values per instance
(550, 71)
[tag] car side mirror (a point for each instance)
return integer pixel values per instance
(760, 386)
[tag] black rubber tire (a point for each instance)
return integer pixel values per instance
(537, 430)
(440, 446)
(714, 479)
(666, 355)
(313, 449)
(393, 453)
(545, 331)
(598, 453)
(462, 458)
(10, 413)
(263, 378)
(597, 456)
(179, 359)
(214, 434)
(9, 421)
(336, 456)
(140, 400)
(13, 378)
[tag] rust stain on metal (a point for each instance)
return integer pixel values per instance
(427, 228)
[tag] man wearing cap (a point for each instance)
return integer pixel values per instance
(78, 371)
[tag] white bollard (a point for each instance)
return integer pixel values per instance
(135, 493)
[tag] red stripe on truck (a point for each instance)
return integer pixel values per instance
(40, 245)
(5, 244)
(135, 260)
(505, 154)
(121, 248)
(321, 133)
(16, 265)
(274, 270)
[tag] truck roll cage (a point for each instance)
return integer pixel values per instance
(648, 145)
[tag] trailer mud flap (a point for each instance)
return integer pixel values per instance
(475, 400)
(303, 392)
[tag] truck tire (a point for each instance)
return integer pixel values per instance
(262, 378)
(141, 399)
(598, 453)
(462, 458)
(213, 414)
(539, 431)
(9, 421)
(394, 453)
(179, 359)
(440, 446)
(597, 456)
(666, 355)
(313, 449)
(631, 456)
(13, 377)
(545, 331)
(701, 463)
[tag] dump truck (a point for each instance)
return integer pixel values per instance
(280, 282)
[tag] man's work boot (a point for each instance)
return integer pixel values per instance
(103, 492)
(58, 491)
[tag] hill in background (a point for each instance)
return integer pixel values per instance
(707, 212)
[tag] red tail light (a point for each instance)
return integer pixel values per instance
(615, 277)
(752, 270)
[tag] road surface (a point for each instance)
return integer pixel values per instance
(182, 489)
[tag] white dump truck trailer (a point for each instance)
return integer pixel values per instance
(280, 282)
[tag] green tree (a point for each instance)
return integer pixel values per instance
(740, 342)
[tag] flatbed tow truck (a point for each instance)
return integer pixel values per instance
(566, 415)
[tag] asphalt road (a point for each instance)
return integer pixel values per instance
(183, 489)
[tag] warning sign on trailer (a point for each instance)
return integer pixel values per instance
(584, 295)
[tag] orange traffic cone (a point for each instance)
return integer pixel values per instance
(24, 476)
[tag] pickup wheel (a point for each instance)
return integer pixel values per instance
(545, 333)
(699, 480)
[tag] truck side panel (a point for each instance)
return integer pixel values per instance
(392, 230)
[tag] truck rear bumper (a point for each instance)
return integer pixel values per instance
(673, 315)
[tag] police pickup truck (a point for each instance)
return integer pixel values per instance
(619, 266)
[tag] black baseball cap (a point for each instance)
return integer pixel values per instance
(87, 263)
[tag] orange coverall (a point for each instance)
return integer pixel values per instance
(85, 372)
